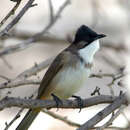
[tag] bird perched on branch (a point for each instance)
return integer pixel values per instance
(68, 72)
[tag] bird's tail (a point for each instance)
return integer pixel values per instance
(28, 119)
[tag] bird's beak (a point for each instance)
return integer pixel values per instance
(100, 36)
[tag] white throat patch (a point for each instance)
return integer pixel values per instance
(89, 51)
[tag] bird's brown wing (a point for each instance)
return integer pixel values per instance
(49, 75)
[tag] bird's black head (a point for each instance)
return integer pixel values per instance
(85, 34)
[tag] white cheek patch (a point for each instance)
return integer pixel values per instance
(89, 51)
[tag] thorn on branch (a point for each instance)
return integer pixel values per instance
(34, 5)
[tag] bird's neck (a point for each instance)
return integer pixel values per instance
(88, 52)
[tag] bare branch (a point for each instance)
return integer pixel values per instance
(23, 35)
(51, 10)
(74, 124)
(4, 77)
(10, 12)
(101, 75)
(6, 62)
(102, 114)
(20, 79)
(36, 68)
(14, 119)
(48, 39)
(61, 118)
(18, 83)
(116, 77)
(113, 117)
(30, 103)
(36, 37)
(17, 18)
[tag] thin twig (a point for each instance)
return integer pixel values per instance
(51, 10)
(113, 117)
(103, 113)
(12, 12)
(116, 77)
(4, 77)
(128, 120)
(19, 83)
(61, 118)
(45, 39)
(102, 75)
(18, 34)
(36, 37)
(17, 18)
(35, 69)
(6, 63)
(21, 78)
(14, 119)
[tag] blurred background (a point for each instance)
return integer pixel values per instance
(110, 17)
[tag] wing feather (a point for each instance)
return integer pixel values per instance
(55, 68)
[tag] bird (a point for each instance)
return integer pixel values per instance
(68, 72)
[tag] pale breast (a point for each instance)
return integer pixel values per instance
(69, 80)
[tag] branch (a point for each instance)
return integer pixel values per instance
(51, 10)
(31, 103)
(113, 117)
(105, 112)
(18, 34)
(10, 12)
(36, 68)
(74, 124)
(14, 119)
(61, 118)
(18, 83)
(36, 37)
(17, 18)
(20, 79)
(23, 35)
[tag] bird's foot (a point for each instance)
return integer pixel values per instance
(80, 102)
(57, 100)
